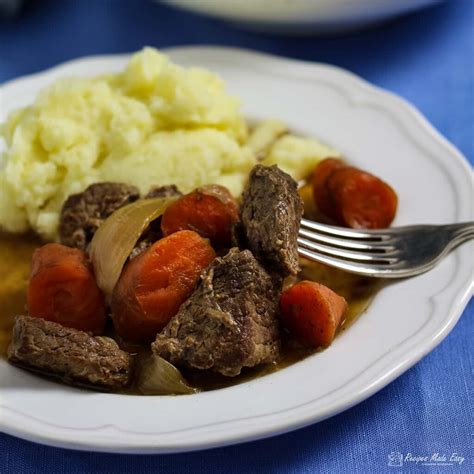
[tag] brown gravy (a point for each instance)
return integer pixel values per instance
(358, 291)
(15, 257)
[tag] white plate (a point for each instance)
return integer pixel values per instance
(376, 131)
(303, 16)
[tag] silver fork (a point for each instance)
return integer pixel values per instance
(386, 253)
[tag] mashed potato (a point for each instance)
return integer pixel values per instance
(155, 123)
(298, 156)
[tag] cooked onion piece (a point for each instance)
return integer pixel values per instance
(117, 236)
(156, 376)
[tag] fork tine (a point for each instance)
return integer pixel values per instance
(341, 231)
(374, 270)
(346, 254)
(382, 247)
(389, 253)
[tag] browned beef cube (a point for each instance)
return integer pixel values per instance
(74, 356)
(229, 322)
(83, 213)
(270, 219)
(169, 190)
(154, 232)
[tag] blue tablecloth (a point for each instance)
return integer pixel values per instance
(428, 58)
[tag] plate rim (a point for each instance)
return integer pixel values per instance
(107, 444)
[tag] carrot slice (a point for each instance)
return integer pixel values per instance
(361, 200)
(352, 197)
(321, 174)
(312, 312)
(63, 289)
(153, 285)
(211, 211)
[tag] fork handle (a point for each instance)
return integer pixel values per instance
(460, 233)
(461, 229)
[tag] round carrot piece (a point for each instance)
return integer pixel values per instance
(312, 312)
(211, 211)
(63, 289)
(352, 197)
(321, 174)
(361, 200)
(153, 285)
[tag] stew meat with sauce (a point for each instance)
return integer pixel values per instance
(229, 322)
(72, 355)
(223, 322)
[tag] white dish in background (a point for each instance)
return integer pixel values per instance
(303, 16)
(374, 130)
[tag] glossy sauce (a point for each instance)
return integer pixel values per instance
(358, 292)
(15, 256)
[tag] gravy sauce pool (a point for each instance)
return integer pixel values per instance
(358, 292)
(15, 257)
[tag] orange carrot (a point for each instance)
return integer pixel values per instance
(312, 312)
(211, 211)
(352, 197)
(153, 285)
(321, 174)
(361, 200)
(63, 289)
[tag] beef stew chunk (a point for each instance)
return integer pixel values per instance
(154, 233)
(151, 236)
(270, 219)
(83, 213)
(71, 355)
(229, 322)
(167, 191)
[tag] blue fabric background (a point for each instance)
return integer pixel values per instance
(428, 59)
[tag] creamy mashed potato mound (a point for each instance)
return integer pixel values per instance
(155, 123)
(298, 156)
